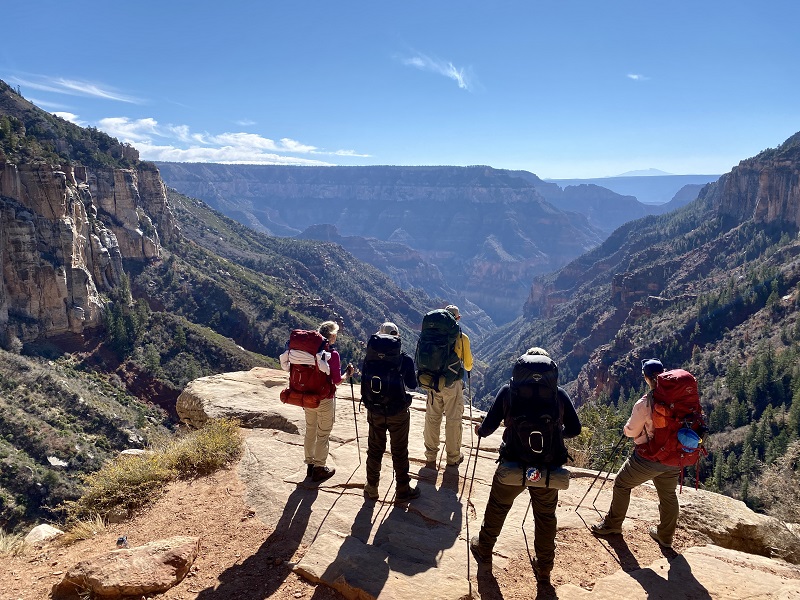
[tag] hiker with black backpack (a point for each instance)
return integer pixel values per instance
(385, 374)
(314, 367)
(538, 416)
(662, 425)
(443, 354)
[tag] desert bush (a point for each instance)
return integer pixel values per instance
(204, 451)
(11, 544)
(778, 488)
(131, 482)
(83, 529)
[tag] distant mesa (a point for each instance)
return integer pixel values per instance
(644, 173)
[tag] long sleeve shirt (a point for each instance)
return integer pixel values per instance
(496, 414)
(463, 351)
(640, 424)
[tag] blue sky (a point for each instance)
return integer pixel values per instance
(561, 88)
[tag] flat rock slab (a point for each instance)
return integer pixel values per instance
(365, 549)
(698, 573)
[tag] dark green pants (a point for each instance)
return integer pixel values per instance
(543, 504)
(398, 426)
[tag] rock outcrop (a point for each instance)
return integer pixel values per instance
(367, 549)
(64, 235)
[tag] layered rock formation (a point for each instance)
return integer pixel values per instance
(64, 234)
(487, 231)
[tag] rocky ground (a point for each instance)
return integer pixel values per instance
(268, 532)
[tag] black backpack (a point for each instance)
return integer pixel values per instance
(437, 363)
(535, 414)
(382, 384)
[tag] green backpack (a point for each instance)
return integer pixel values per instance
(436, 360)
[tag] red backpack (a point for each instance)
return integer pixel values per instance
(308, 385)
(679, 423)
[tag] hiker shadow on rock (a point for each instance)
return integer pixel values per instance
(407, 540)
(260, 575)
(416, 539)
(680, 582)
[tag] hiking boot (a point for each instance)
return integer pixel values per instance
(458, 462)
(371, 491)
(309, 470)
(406, 495)
(483, 557)
(601, 529)
(321, 474)
(541, 571)
(653, 531)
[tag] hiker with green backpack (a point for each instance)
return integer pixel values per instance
(443, 354)
(666, 425)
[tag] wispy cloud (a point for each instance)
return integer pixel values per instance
(462, 76)
(71, 117)
(245, 122)
(74, 87)
(178, 143)
(637, 77)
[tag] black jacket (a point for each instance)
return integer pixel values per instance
(409, 375)
(572, 425)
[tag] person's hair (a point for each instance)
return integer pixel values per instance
(537, 350)
(327, 328)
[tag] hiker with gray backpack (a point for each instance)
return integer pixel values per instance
(385, 374)
(443, 354)
(538, 416)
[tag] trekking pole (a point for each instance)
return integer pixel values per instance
(355, 418)
(610, 456)
(469, 395)
(605, 480)
(466, 514)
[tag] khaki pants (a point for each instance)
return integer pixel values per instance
(543, 502)
(319, 423)
(450, 404)
(635, 472)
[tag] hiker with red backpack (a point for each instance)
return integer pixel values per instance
(386, 373)
(314, 372)
(538, 416)
(663, 426)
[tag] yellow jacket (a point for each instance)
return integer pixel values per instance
(463, 351)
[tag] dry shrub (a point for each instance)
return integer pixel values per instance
(131, 482)
(84, 529)
(217, 444)
(11, 544)
(778, 488)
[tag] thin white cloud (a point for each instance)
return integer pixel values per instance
(462, 76)
(223, 155)
(75, 87)
(71, 117)
(245, 123)
(351, 153)
(127, 130)
(637, 77)
(51, 106)
(178, 143)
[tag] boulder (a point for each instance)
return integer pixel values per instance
(42, 533)
(152, 568)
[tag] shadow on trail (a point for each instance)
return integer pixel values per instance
(261, 574)
(408, 540)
